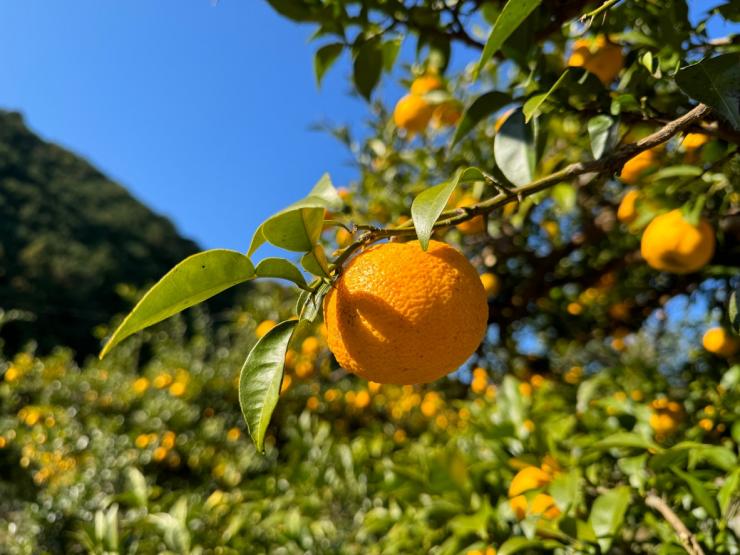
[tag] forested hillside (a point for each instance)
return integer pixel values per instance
(68, 237)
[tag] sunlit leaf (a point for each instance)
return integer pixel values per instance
(427, 207)
(513, 14)
(607, 515)
(282, 269)
(532, 107)
(514, 149)
(482, 107)
(699, 492)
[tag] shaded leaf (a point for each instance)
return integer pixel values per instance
(514, 12)
(282, 269)
(699, 492)
(716, 83)
(482, 107)
(728, 490)
(532, 106)
(325, 58)
(514, 149)
(367, 67)
(607, 515)
(192, 281)
(260, 379)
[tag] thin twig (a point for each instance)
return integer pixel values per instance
(688, 540)
(593, 13)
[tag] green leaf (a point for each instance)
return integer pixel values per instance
(311, 304)
(261, 377)
(298, 227)
(532, 106)
(427, 207)
(192, 281)
(315, 262)
(513, 14)
(258, 239)
(676, 171)
(733, 310)
(601, 132)
(700, 493)
(367, 67)
(626, 440)
(514, 149)
(517, 544)
(564, 195)
(607, 514)
(482, 107)
(297, 11)
(728, 490)
(325, 190)
(282, 269)
(137, 486)
(716, 83)
(325, 58)
(565, 488)
(390, 53)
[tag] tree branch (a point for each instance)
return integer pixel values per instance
(688, 540)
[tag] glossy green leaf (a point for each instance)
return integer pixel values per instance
(325, 58)
(367, 67)
(514, 149)
(513, 14)
(733, 310)
(427, 207)
(261, 377)
(716, 83)
(295, 229)
(533, 105)
(601, 133)
(192, 281)
(482, 107)
(626, 440)
(607, 515)
(282, 269)
(699, 492)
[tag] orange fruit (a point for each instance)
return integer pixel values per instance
(626, 212)
(663, 422)
(474, 226)
(263, 327)
(719, 342)
(599, 56)
(397, 314)
(491, 283)
(671, 244)
(692, 141)
(635, 167)
(544, 505)
(519, 506)
(412, 113)
(426, 83)
(447, 113)
(528, 478)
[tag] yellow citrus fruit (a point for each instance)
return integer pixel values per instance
(671, 244)
(474, 226)
(663, 423)
(491, 283)
(599, 56)
(447, 113)
(692, 141)
(413, 113)
(544, 505)
(528, 478)
(626, 212)
(343, 238)
(263, 327)
(397, 314)
(635, 167)
(719, 342)
(310, 346)
(426, 83)
(519, 506)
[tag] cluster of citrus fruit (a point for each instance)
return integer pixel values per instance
(527, 495)
(416, 111)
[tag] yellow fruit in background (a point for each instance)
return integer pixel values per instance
(426, 83)
(599, 56)
(544, 505)
(720, 343)
(310, 346)
(491, 283)
(473, 226)
(663, 422)
(400, 315)
(263, 327)
(519, 506)
(343, 237)
(528, 478)
(413, 113)
(692, 141)
(671, 244)
(626, 212)
(635, 167)
(447, 113)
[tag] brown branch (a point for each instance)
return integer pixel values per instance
(688, 540)
(610, 164)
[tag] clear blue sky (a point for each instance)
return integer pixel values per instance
(202, 110)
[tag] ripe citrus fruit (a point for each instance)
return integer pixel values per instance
(671, 244)
(719, 342)
(626, 212)
(544, 505)
(491, 283)
(530, 477)
(400, 315)
(635, 167)
(692, 141)
(426, 83)
(412, 113)
(447, 113)
(599, 56)
(475, 226)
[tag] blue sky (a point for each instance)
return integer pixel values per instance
(202, 110)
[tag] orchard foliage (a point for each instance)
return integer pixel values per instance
(596, 417)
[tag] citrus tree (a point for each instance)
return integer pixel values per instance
(557, 223)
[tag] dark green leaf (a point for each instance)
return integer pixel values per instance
(282, 269)
(427, 207)
(514, 149)
(482, 107)
(514, 12)
(367, 67)
(532, 107)
(195, 279)
(607, 514)
(292, 9)
(733, 310)
(260, 380)
(716, 83)
(700, 493)
(600, 131)
(325, 58)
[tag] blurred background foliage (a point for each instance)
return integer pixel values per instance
(591, 395)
